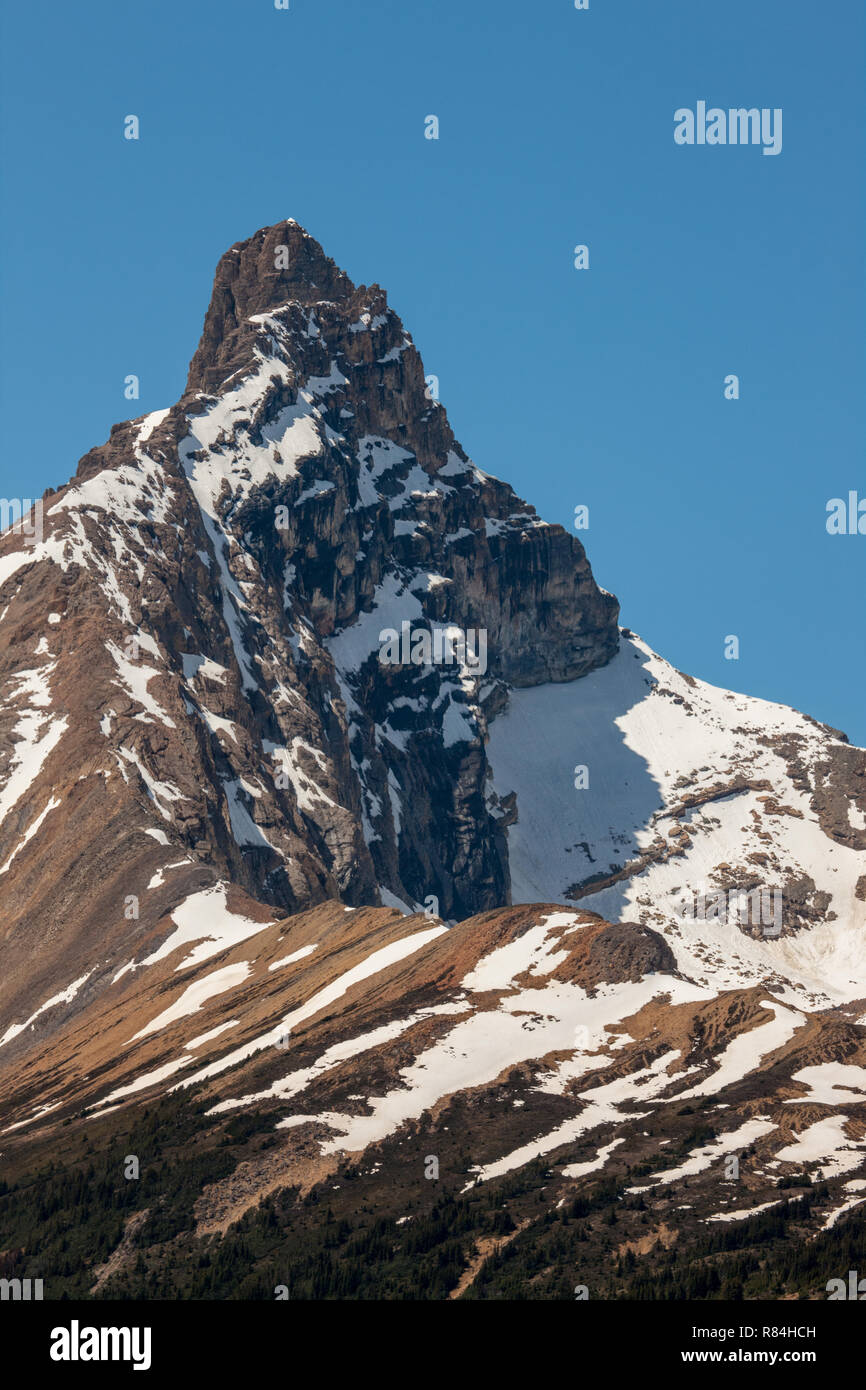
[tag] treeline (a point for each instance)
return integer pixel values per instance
(67, 1220)
(364, 1236)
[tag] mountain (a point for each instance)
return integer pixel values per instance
(342, 830)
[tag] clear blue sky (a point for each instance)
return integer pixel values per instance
(604, 387)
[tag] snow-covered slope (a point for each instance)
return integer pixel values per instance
(639, 788)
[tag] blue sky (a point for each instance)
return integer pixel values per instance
(601, 387)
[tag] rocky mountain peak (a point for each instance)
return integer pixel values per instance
(277, 266)
(225, 572)
(331, 790)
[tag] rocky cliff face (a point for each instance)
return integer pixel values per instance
(303, 716)
(218, 576)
